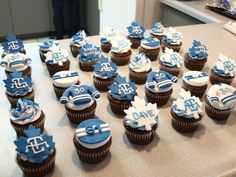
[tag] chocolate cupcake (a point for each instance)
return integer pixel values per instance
(223, 71)
(92, 140)
(171, 62)
(141, 121)
(63, 80)
(104, 74)
(172, 40)
(196, 57)
(135, 34)
(80, 102)
(157, 31)
(89, 55)
(150, 47)
(18, 86)
(139, 68)
(158, 88)
(57, 60)
(77, 42)
(186, 112)
(106, 35)
(45, 47)
(120, 95)
(220, 101)
(120, 51)
(195, 82)
(36, 152)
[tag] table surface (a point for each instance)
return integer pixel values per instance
(209, 151)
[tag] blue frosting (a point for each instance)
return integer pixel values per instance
(122, 89)
(175, 36)
(104, 40)
(12, 45)
(33, 146)
(18, 84)
(151, 42)
(89, 52)
(157, 28)
(47, 44)
(104, 68)
(135, 30)
(226, 70)
(93, 131)
(78, 37)
(198, 51)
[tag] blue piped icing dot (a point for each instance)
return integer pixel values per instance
(89, 52)
(150, 42)
(198, 51)
(135, 30)
(93, 131)
(12, 44)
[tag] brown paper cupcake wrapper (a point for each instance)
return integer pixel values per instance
(159, 98)
(138, 78)
(52, 69)
(86, 65)
(140, 139)
(195, 65)
(58, 92)
(176, 48)
(135, 42)
(195, 91)
(156, 36)
(102, 84)
(27, 71)
(74, 50)
(152, 54)
(120, 60)
(42, 55)
(13, 100)
(173, 71)
(217, 79)
(106, 47)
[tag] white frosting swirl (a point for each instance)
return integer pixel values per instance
(72, 106)
(140, 63)
(108, 33)
(120, 45)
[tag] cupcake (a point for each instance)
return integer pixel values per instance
(36, 152)
(26, 113)
(157, 31)
(92, 140)
(158, 88)
(151, 48)
(63, 80)
(45, 46)
(57, 60)
(139, 68)
(89, 55)
(195, 82)
(171, 62)
(106, 35)
(172, 40)
(196, 57)
(18, 86)
(141, 121)
(120, 51)
(220, 101)
(104, 73)
(223, 71)
(80, 102)
(16, 62)
(135, 34)
(120, 95)
(77, 41)
(12, 45)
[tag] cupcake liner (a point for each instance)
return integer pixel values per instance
(195, 91)
(184, 124)
(74, 50)
(42, 55)
(152, 53)
(102, 84)
(176, 48)
(120, 59)
(52, 69)
(159, 98)
(217, 79)
(37, 170)
(194, 64)
(92, 155)
(173, 71)
(13, 99)
(76, 117)
(106, 47)
(59, 90)
(135, 42)
(39, 123)
(87, 65)
(27, 72)
(156, 36)
(138, 78)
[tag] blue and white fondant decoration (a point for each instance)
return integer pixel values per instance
(18, 84)
(135, 30)
(224, 66)
(93, 133)
(141, 115)
(122, 89)
(65, 79)
(198, 51)
(196, 78)
(105, 69)
(79, 97)
(171, 59)
(57, 56)
(173, 37)
(89, 52)
(46, 45)
(12, 44)
(120, 45)
(160, 81)
(222, 96)
(187, 106)
(79, 39)
(150, 43)
(26, 111)
(107, 34)
(158, 29)
(34, 147)
(140, 63)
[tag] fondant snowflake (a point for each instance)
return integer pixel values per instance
(12, 44)
(135, 30)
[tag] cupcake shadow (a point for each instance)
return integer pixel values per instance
(198, 133)
(108, 109)
(64, 121)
